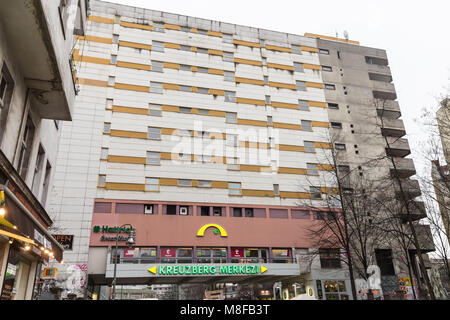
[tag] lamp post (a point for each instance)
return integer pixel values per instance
(130, 241)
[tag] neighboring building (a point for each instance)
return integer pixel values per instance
(37, 91)
(202, 136)
(443, 121)
(441, 182)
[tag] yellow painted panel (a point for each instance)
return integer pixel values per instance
(294, 195)
(98, 39)
(249, 81)
(77, 57)
(171, 45)
(312, 35)
(309, 49)
(311, 66)
(283, 85)
(253, 168)
(214, 34)
(124, 186)
(287, 126)
(194, 49)
(170, 108)
(216, 71)
(168, 131)
(171, 26)
(168, 181)
(325, 167)
(135, 45)
(251, 101)
(194, 69)
(320, 124)
(126, 159)
(166, 156)
(280, 66)
(246, 61)
(219, 184)
(293, 171)
(277, 48)
(91, 82)
(129, 110)
(135, 25)
(170, 86)
(170, 65)
(194, 30)
(248, 122)
(101, 20)
(217, 92)
(323, 145)
(215, 113)
(128, 134)
(215, 52)
(257, 193)
(317, 104)
(284, 105)
(131, 65)
(315, 85)
(131, 87)
(285, 147)
(246, 43)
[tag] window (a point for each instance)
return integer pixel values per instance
(214, 255)
(151, 184)
(276, 189)
(234, 188)
(115, 39)
(296, 50)
(228, 56)
(262, 43)
(6, 91)
(156, 87)
(157, 66)
(336, 125)
(202, 70)
(184, 133)
(104, 153)
(237, 212)
(330, 258)
(303, 105)
(344, 169)
(154, 133)
(184, 183)
(230, 96)
(339, 146)
(271, 142)
(45, 185)
(232, 140)
(335, 290)
(185, 67)
(107, 127)
(312, 169)
(203, 32)
(268, 100)
(232, 164)
(231, 117)
(153, 158)
(62, 9)
(185, 48)
(204, 184)
(266, 80)
(111, 80)
(301, 85)
(264, 61)
(327, 68)
(281, 256)
(117, 19)
(203, 90)
(202, 111)
(202, 50)
(330, 86)
(26, 142)
(185, 29)
(113, 59)
(176, 255)
(334, 106)
(102, 180)
(309, 146)
(249, 255)
(324, 51)
(227, 38)
(384, 261)
(155, 109)
(185, 88)
(158, 27)
(109, 104)
(205, 135)
(269, 120)
(171, 210)
(184, 156)
(185, 110)
(158, 46)
(38, 170)
(306, 125)
(203, 158)
(228, 76)
(315, 193)
(298, 67)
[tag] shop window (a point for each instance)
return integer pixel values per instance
(330, 258)
(171, 210)
(204, 211)
(237, 212)
(211, 255)
(248, 212)
(134, 255)
(335, 290)
(249, 255)
(17, 272)
(217, 211)
(176, 255)
(281, 256)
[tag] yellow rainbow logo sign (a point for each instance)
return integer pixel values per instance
(218, 229)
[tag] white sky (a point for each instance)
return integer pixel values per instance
(415, 34)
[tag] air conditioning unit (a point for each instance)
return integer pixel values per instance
(148, 209)
(183, 211)
(249, 212)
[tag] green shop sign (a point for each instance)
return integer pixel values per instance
(108, 229)
(209, 270)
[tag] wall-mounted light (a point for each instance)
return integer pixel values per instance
(27, 247)
(2, 212)
(11, 240)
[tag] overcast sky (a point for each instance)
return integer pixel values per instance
(415, 34)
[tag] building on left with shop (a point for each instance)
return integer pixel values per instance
(37, 91)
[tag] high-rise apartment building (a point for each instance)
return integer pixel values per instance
(207, 139)
(37, 92)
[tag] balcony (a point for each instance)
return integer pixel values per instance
(425, 238)
(416, 211)
(382, 86)
(405, 168)
(386, 92)
(392, 128)
(397, 147)
(32, 31)
(411, 189)
(389, 109)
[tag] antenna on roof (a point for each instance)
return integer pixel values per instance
(346, 35)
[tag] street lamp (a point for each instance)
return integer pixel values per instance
(130, 242)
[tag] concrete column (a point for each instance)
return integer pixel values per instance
(31, 281)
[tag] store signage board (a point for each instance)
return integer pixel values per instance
(65, 240)
(206, 270)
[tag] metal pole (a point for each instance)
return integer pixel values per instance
(115, 259)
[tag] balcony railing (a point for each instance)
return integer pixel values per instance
(397, 147)
(405, 168)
